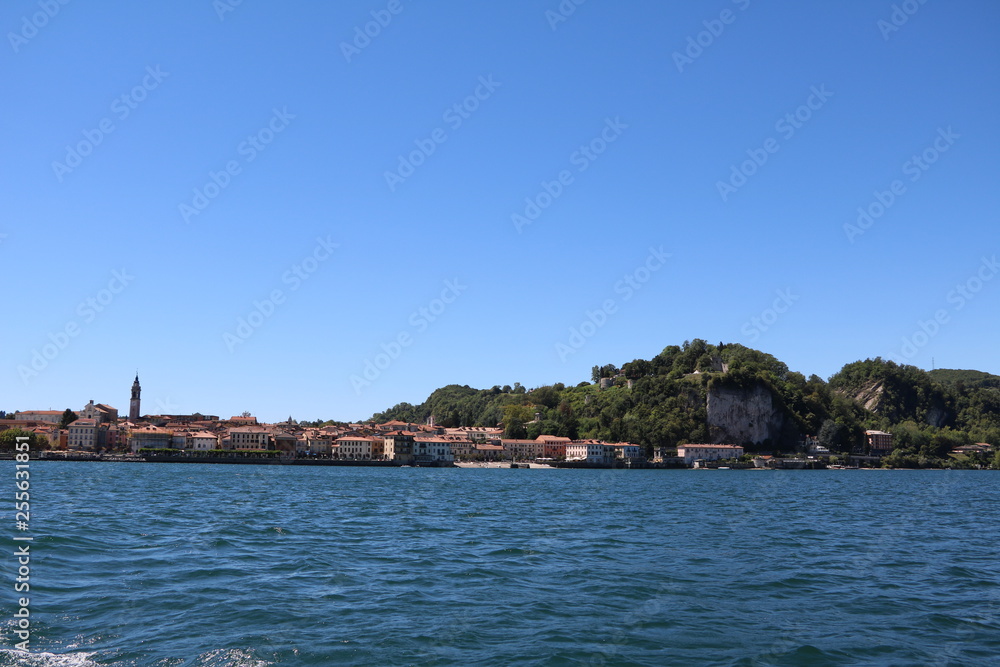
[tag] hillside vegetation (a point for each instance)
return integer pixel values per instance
(670, 399)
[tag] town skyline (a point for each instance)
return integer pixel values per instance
(164, 404)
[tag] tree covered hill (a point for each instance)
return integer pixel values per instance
(970, 379)
(698, 392)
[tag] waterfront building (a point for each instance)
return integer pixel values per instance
(461, 447)
(150, 437)
(879, 443)
(84, 435)
(692, 453)
(378, 448)
(432, 449)
(591, 451)
(354, 447)
(248, 438)
(203, 441)
(523, 449)
(317, 442)
(553, 447)
(483, 452)
(625, 451)
(399, 446)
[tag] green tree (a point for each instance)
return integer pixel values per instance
(515, 430)
(8, 439)
(68, 417)
(834, 436)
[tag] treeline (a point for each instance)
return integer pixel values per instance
(929, 414)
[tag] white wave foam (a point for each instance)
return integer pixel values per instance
(27, 659)
(234, 657)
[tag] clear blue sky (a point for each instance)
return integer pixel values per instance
(309, 128)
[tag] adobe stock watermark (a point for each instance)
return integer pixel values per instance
(758, 324)
(419, 321)
(915, 168)
(87, 311)
(958, 297)
(562, 12)
(581, 158)
(454, 116)
(223, 7)
(30, 25)
(22, 520)
(121, 108)
(294, 277)
(166, 407)
(627, 286)
(899, 17)
(787, 125)
(714, 28)
(248, 150)
(363, 36)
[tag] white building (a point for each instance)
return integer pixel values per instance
(203, 441)
(429, 449)
(692, 453)
(50, 416)
(354, 447)
(591, 451)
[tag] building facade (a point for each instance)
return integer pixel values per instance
(50, 416)
(355, 448)
(104, 414)
(399, 446)
(591, 451)
(692, 453)
(249, 438)
(879, 442)
(150, 437)
(432, 449)
(84, 435)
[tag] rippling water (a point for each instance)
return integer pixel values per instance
(207, 565)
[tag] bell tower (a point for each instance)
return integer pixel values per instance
(133, 405)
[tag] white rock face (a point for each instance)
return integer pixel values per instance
(736, 416)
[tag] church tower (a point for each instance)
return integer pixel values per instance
(133, 405)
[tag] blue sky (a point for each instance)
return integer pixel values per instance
(171, 170)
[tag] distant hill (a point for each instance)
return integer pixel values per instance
(699, 392)
(949, 376)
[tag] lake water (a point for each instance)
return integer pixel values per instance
(213, 565)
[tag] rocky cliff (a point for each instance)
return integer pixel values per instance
(930, 409)
(739, 415)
